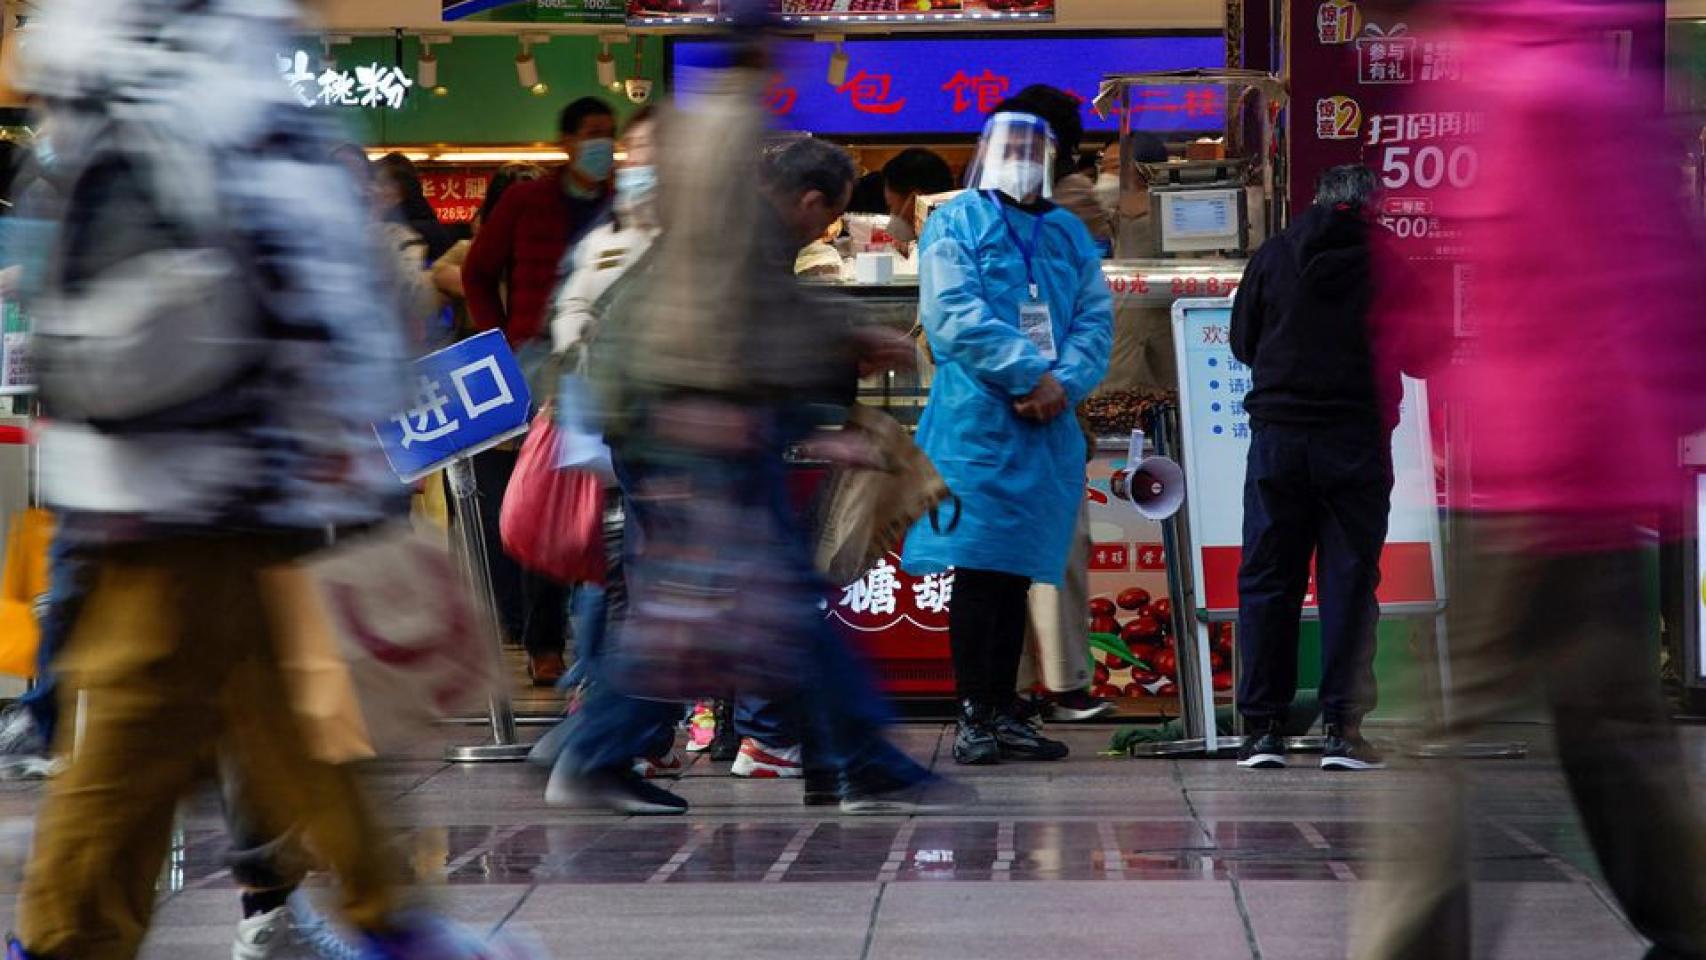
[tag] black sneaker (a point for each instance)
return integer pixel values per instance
(1018, 740)
(1263, 749)
(725, 746)
(882, 795)
(974, 738)
(1345, 749)
(823, 789)
(619, 791)
(1078, 706)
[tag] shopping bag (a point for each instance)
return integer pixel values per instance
(23, 583)
(377, 638)
(552, 520)
(864, 512)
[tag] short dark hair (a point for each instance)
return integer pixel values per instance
(918, 170)
(799, 166)
(1347, 185)
(1146, 147)
(1063, 113)
(578, 112)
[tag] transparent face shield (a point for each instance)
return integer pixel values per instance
(1015, 157)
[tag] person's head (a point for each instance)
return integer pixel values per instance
(586, 130)
(636, 170)
(507, 176)
(1350, 186)
(1015, 156)
(354, 159)
(809, 182)
(868, 195)
(1063, 113)
(397, 182)
(912, 174)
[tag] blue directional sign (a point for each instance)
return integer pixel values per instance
(467, 398)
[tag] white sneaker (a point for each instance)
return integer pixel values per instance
(759, 762)
(667, 767)
(264, 936)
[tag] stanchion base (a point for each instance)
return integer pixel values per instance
(1194, 749)
(524, 720)
(489, 753)
(1479, 750)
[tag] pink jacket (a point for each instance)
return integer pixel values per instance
(1589, 287)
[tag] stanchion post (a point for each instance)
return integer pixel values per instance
(472, 546)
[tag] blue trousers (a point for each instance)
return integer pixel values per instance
(67, 587)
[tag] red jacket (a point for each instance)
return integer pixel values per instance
(518, 252)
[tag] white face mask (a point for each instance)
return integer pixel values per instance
(1020, 179)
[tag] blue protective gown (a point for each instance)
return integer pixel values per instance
(1020, 482)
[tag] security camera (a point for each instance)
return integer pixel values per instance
(639, 89)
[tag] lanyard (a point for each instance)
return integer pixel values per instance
(1026, 250)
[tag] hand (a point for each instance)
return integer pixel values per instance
(1044, 403)
(881, 348)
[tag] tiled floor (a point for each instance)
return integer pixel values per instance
(1094, 857)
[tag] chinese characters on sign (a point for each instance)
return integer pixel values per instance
(1337, 21)
(887, 595)
(983, 91)
(371, 86)
(467, 398)
(1337, 118)
(869, 93)
(456, 195)
(1386, 59)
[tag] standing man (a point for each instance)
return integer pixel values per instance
(1319, 482)
(509, 278)
(1019, 320)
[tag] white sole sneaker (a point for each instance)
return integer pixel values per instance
(1080, 716)
(757, 762)
(1264, 761)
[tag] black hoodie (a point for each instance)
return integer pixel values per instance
(1301, 323)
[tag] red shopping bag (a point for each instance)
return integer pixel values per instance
(552, 520)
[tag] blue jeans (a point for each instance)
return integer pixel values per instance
(67, 587)
(840, 714)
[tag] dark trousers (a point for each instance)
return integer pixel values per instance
(1527, 612)
(986, 634)
(67, 586)
(1321, 493)
(534, 609)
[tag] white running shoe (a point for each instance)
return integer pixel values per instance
(759, 762)
(265, 935)
(670, 766)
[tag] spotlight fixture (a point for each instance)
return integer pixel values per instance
(606, 64)
(527, 68)
(426, 67)
(837, 62)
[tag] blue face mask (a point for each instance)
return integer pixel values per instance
(595, 158)
(636, 185)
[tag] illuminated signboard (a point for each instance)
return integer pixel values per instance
(373, 85)
(896, 86)
(667, 12)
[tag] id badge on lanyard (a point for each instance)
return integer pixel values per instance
(1035, 322)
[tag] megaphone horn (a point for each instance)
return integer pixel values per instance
(1155, 486)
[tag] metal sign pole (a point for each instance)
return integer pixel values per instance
(472, 545)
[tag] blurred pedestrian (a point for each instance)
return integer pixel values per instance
(1318, 487)
(401, 245)
(402, 199)
(447, 270)
(181, 511)
(509, 278)
(1574, 396)
(1018, 317)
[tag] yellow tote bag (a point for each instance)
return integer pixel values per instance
(23, 580)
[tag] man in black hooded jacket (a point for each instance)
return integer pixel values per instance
(1319, 482)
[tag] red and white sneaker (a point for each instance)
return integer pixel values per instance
(702, 727)
(759, 762)
(670, 766)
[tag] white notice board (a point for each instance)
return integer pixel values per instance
(1216, 441)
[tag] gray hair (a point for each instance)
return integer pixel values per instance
(1349, 185)
(803, 164)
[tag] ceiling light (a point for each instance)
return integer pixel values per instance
(527, 68)
(426, 66)
(838, 65)
(606, 65)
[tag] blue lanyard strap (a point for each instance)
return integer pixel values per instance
(1026, 250)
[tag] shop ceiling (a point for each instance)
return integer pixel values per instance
(354, 16)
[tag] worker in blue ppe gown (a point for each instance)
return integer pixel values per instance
(1019, 322)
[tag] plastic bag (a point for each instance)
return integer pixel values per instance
(863, 513)
(552, 519)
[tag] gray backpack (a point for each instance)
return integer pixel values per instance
(163, 313)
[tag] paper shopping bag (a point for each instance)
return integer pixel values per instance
(378, 638)
(865, 512)
(23, 583)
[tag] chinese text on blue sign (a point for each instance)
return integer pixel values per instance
(467, 398)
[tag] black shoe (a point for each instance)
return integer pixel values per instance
(1030, 706)
(1263, 749)
(1018, 740)
(1347, 750)
(622, 792)
(880, 795)
(1078, 706)
(725, 745)
(974, 740)
(822, 789)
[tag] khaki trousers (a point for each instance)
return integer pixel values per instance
(1057, 640)
(176, 656)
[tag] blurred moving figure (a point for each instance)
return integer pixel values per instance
(1319, 482)
(1574, 394)
(509, 278)
(1019, 320)
(402, 199)
(447, 270)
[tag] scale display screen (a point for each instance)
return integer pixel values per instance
(1200, 220)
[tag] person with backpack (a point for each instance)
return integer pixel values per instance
(211, 358)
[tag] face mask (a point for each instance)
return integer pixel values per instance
(900, 228)
(1021, 180)
(636, 185)
(596, 157)
(1108, 189)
